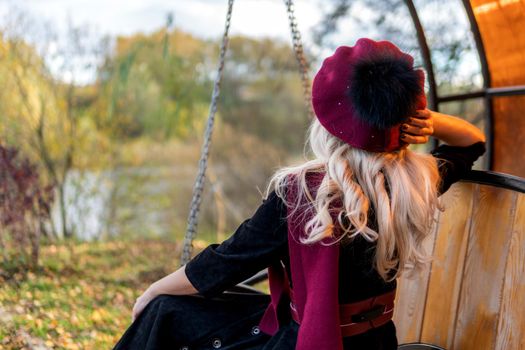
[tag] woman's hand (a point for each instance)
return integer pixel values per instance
(418, 128)
(176, 283)
(142, 302)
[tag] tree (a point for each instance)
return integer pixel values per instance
(262, 93)
(40, 109)
(445, 25)
(154, 85)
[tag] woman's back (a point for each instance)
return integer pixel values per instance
(334, 231)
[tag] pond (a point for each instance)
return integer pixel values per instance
(132, 202)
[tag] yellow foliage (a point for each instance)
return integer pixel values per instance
(32, 99)
(98, 315)
(183, 44)
(27, 99)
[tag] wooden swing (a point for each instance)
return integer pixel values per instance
(473, 294)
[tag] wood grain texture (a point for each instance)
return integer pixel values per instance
(483, 277)
(474, 295)
(409, 308)
(511, 324)
(447, 267)
(411, 298)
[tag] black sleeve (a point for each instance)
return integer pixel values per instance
(455, 161)
(256, 244)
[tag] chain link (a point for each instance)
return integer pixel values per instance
(198, 187)
(304, 66)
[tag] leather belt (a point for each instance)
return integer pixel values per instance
(361, 316)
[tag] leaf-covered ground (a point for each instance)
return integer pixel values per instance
(82, 294)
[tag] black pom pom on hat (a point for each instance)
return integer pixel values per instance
(384, 91)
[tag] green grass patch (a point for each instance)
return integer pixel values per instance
(81, 295)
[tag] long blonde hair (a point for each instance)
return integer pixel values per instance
(399, 187)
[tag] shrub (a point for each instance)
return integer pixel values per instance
(25, 205)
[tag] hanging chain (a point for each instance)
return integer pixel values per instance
(198, 187)
(304, 67)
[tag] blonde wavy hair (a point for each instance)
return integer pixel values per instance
(399, 187)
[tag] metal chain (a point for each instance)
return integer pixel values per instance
(304, 67)
(198, 187)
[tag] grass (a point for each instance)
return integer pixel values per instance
(81, 295)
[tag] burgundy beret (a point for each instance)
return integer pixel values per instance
(362, 94)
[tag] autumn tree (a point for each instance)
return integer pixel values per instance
(153, 85)
(40, 106)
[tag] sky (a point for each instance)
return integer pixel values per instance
(203, 18)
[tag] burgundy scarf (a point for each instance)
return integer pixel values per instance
(315, 276)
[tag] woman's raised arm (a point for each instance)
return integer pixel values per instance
(455, 131)
(449, 129)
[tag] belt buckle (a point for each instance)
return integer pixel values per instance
(369, 315)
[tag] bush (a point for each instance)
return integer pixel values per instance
(25, 206)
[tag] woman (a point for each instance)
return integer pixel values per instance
(335, 232)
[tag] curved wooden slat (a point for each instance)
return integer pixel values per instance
(488, 246)
(511, 333)
(474, 294)
(409, 309)
(447, 266)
